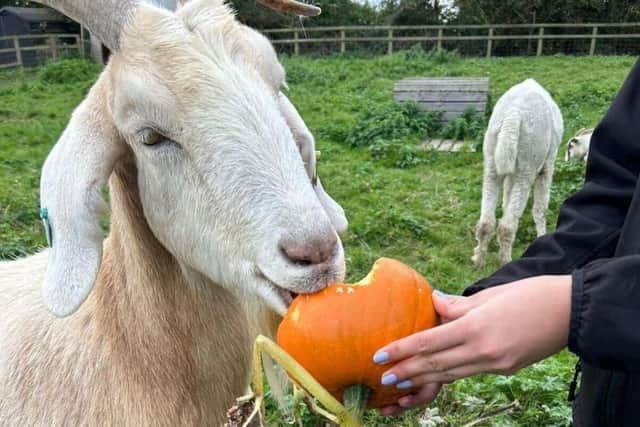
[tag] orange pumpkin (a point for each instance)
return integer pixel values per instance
(334, 333)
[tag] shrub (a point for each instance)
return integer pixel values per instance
(69, 71)
(393, 122)
(469, 126)
(441, 56)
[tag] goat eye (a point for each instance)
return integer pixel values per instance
(150, 137)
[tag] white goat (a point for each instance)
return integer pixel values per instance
(217, 219)
(578, 146)
(520, 146)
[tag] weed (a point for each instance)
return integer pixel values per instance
(68, 71)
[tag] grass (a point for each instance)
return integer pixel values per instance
(422, 212)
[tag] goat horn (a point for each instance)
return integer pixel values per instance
(104, 18)
(292, 6)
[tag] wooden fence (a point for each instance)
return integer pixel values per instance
(389, 38)
(45, 45)
(456, 35)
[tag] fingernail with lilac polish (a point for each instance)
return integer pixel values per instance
(381, 357)
(441, 294)
(389, 379)
(405, 384)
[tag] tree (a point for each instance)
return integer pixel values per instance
(526, 11)
(412, 12)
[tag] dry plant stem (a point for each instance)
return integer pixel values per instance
(336, 411)
(494, 413)
(299, 395)
(256, 412)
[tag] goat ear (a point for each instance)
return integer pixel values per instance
(70, 191)
(567, 154)
(307, 146)
(332, 208)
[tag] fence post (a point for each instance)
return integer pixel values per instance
(16, 46)
(390, 42)
(53, 45)
(540, 39)
(439, 45)
(296, 45)
(594, 34)
(343, 45)
(489, 42)
(81, 42)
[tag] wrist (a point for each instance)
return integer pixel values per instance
(559, 305)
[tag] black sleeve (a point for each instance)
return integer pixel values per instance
(589, 222)
(605, 313)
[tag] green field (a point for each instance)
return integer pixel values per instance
(403, 203)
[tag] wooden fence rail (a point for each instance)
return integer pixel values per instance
(438, 34)
(50, 45)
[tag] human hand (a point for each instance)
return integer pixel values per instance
(499, 330)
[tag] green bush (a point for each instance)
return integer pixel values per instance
(437, 56)
(469, 126)
(393, 122)
(69, 71)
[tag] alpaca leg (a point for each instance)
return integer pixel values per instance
(541, 198)
(506, 191)
(508, 224)
(487, 223)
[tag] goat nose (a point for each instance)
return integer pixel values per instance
(312, 251)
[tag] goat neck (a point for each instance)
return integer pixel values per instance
(167, 324)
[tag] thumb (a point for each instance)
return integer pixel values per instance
(451, 307)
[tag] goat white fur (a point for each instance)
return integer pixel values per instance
(520, 146)
(213, 226)
(578, 146)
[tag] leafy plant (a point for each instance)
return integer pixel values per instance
(393, 122)
(399, 153)
(568, 177)
(437, 56)
(469, 126)
(68, 71)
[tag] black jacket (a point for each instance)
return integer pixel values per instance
(597, 240)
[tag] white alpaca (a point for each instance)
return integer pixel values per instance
(520, 146)
(217, 220)
(578, 146)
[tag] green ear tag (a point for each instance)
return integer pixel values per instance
(44, 215)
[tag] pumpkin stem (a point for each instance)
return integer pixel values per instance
(356, 398)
